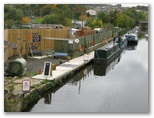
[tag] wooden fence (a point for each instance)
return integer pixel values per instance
(24, 38)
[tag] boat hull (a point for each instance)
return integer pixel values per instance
(108, 60)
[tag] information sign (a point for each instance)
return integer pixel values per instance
(26, 85)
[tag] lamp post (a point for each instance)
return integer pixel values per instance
(82, 17)
(82, 31)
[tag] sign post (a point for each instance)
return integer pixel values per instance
(26, 86)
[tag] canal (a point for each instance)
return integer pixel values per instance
(121, 86)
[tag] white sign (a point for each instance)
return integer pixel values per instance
(77, 41)
(26, 85)
(70, 41)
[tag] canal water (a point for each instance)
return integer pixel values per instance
(120, 87)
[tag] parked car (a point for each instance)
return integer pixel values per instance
(27, 26)
(16, 26)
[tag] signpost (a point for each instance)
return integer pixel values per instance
(26, 85)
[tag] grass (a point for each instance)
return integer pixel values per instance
(38, 19)
(31, 73)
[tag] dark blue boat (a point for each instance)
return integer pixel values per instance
(132, 38)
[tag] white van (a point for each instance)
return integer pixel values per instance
(99, 30)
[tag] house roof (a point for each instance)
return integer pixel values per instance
(91, 12)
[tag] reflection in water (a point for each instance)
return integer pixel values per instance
(131, 47)
(81, 75)
(84, 73)
(102, 70)
(124, 89)
(47, 98)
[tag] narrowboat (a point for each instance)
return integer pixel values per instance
(132, 38)
(122, 41)
(107, 53)
(102, 70)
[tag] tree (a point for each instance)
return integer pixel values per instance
(45, 10)
(25, 20)
(13, 14)
(104, 17)
(112, 15)
(94, 23)
(124, 21)
(8, 23)
(83, 17)
(50, 19)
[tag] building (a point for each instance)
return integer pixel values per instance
(78, 24)
(91, 12)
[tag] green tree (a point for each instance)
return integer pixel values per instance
(45, 10)
(104, 17)
(8, 23)
(94, 23)
(51, 19)
(124, 21)
(112, 16)
(14, 14)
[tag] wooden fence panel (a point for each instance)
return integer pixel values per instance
(48, 43)
(23, 37)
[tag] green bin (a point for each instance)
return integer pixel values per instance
(17, 67)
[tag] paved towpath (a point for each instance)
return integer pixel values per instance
(66, 67)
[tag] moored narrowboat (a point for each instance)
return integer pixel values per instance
(107, 53)
(103, 69)
(122, 41)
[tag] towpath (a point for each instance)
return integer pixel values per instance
(67, 67)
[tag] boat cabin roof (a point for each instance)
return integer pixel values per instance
(131, 34)
(108, 46)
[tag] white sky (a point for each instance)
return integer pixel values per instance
(133, 5)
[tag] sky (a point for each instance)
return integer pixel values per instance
(133, 5)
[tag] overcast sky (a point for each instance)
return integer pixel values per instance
(133, 5)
